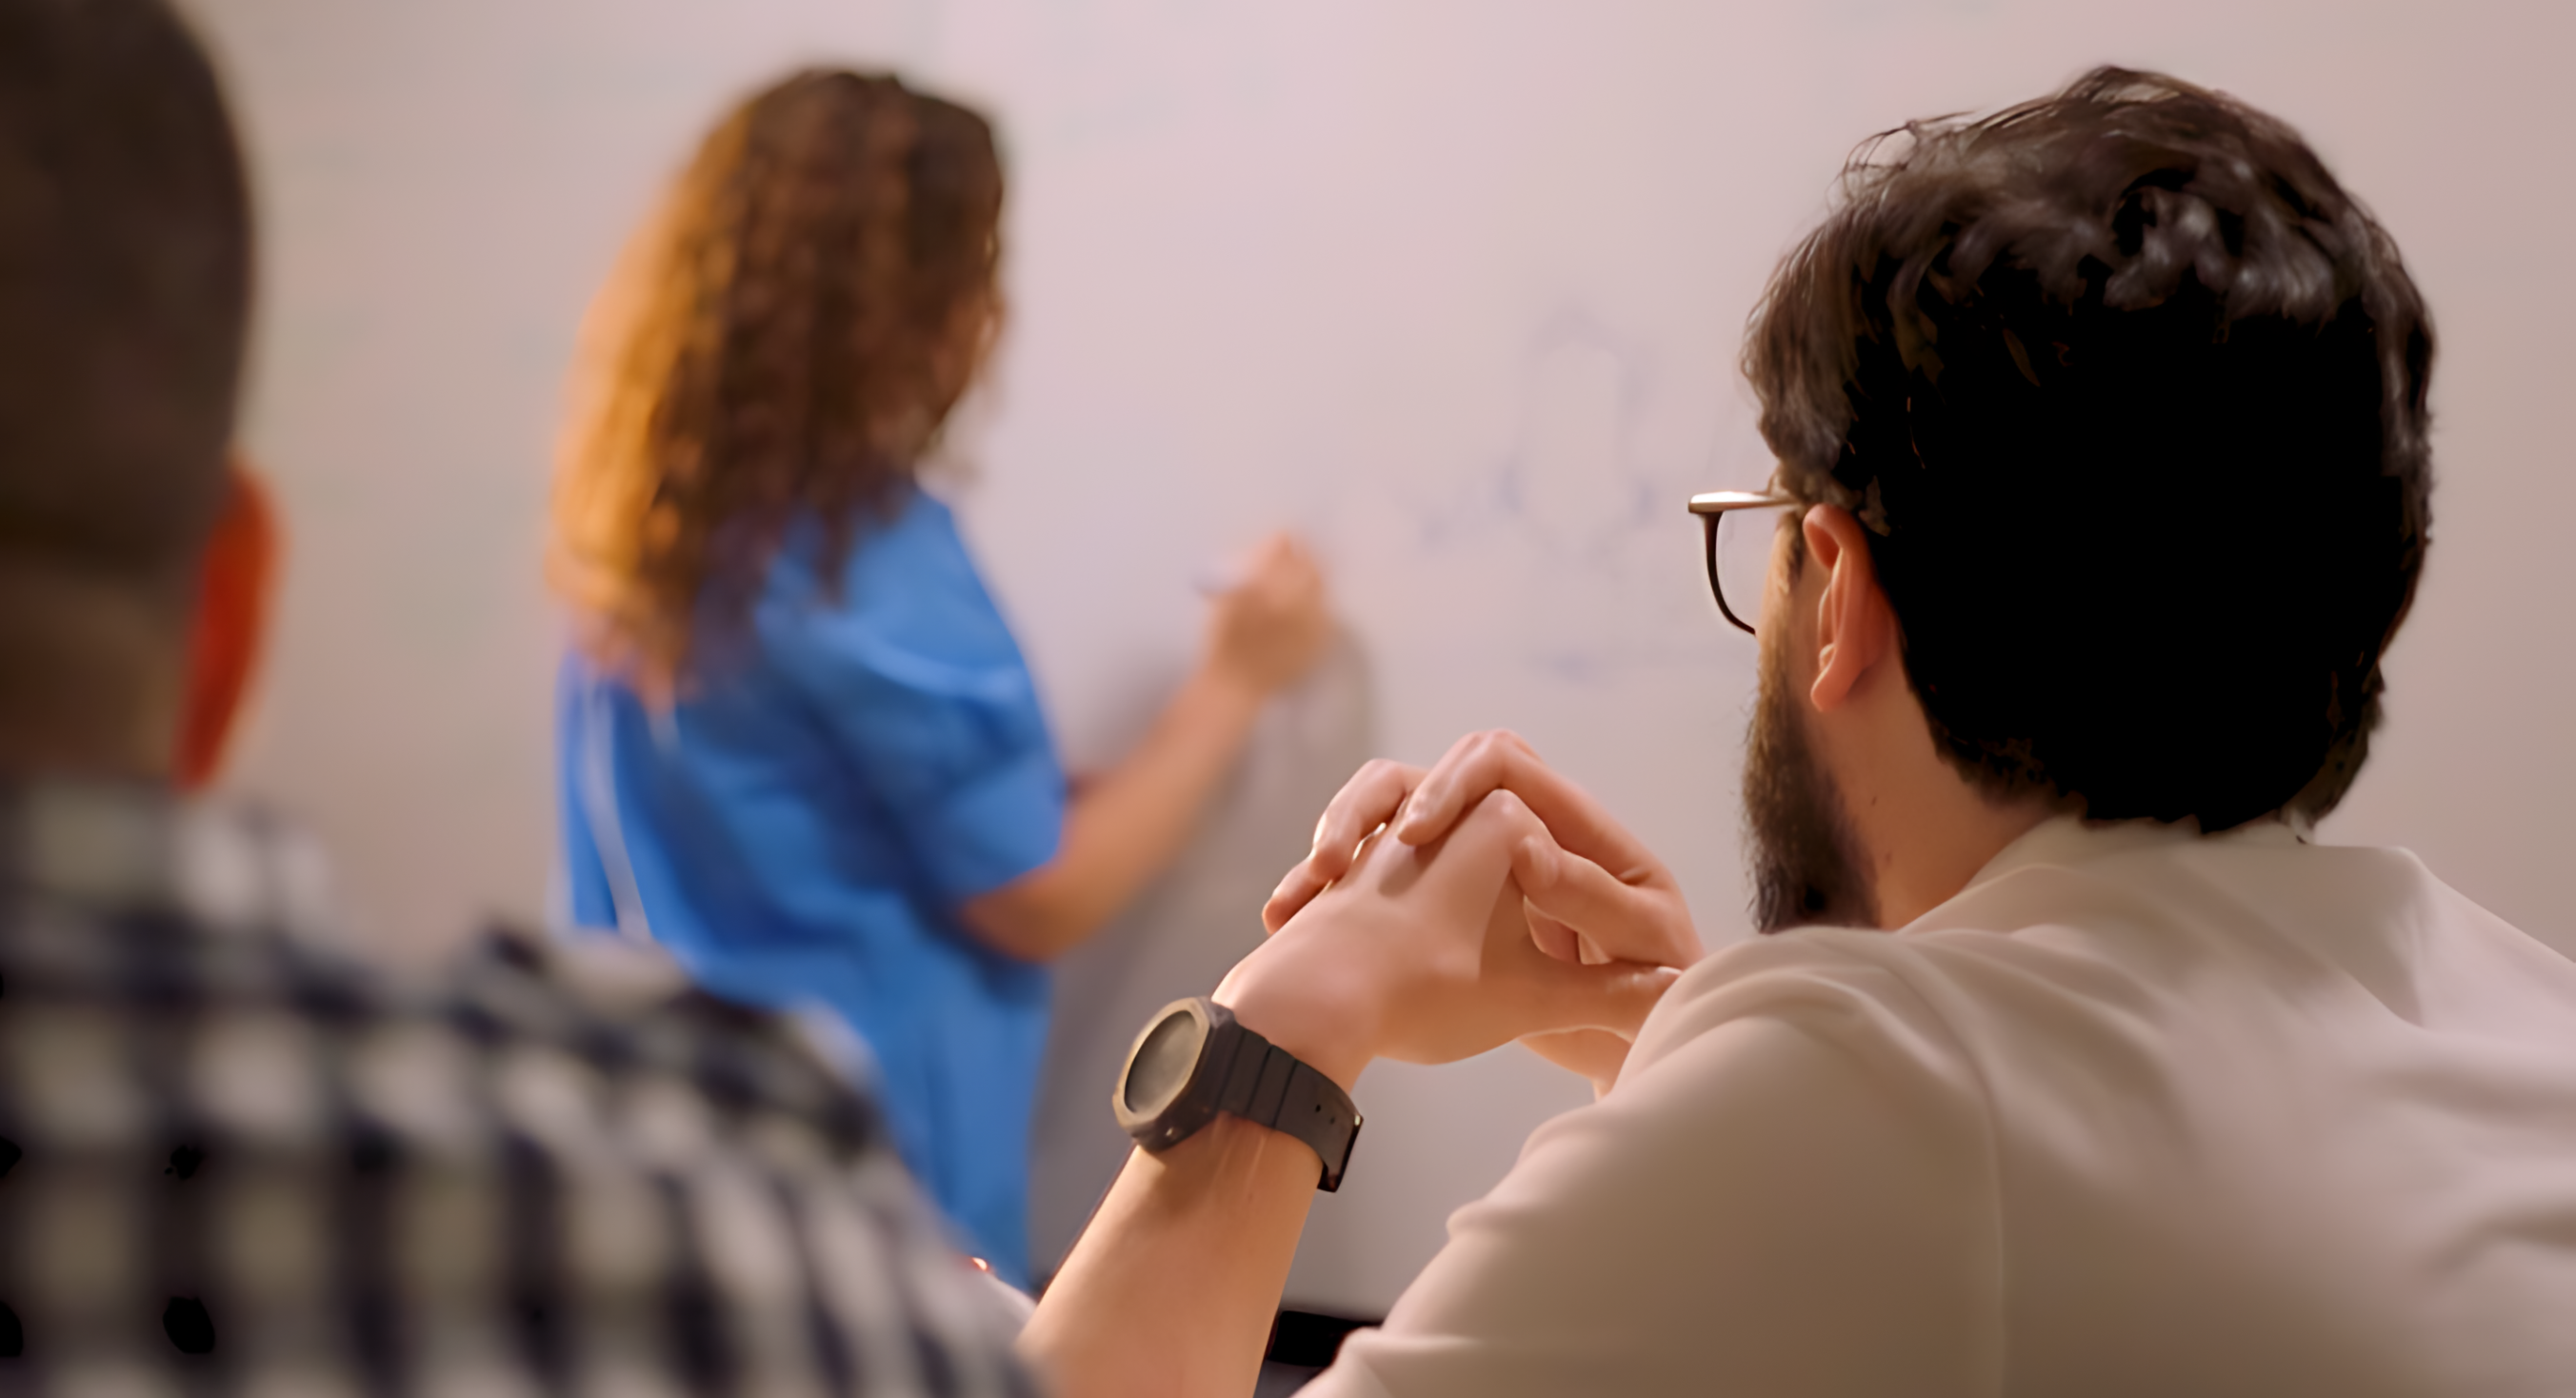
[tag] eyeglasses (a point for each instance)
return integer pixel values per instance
(1741, 526)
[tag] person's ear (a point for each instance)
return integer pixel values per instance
(234, 582)
(1855, 630)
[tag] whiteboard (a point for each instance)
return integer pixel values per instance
(1452, 288)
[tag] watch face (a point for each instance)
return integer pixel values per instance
(1161, 1067)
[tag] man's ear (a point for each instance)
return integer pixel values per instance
(1855, 629)
(234, 582)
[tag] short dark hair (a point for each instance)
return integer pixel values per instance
(2131, 397)
(124, 287)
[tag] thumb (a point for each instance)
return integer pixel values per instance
(1616, 996)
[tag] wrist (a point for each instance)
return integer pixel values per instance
(1308, 1016)
(1229, 691)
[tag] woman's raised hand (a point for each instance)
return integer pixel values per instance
(1270, 627)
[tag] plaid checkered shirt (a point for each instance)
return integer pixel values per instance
(231, 1162)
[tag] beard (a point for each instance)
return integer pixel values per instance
(1798, 836)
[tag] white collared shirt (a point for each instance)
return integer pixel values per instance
(2138, 1112)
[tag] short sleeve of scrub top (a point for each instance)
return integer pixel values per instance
(923, 687)
(805, 824)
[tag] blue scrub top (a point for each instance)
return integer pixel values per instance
(804, 825)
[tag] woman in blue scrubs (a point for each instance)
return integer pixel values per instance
(797, 745)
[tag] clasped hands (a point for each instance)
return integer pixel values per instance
(1446, 912)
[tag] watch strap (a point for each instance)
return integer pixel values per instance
(1269, 1086)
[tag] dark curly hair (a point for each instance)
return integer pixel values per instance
(781, 344)
(2130, 395)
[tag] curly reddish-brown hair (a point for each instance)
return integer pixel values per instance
(781, 343)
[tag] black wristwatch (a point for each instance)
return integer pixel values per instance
(1193, 1061)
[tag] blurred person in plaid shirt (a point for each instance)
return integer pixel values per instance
(230, 1160)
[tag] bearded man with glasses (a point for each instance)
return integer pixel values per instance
(2072, 1066)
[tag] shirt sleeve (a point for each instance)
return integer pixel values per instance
(579, 899)
(921, 686)
(1790, 1203)
(728, 1169)
(478, 1188)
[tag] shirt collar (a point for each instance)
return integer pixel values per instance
(118, 846)
(2071, 839)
